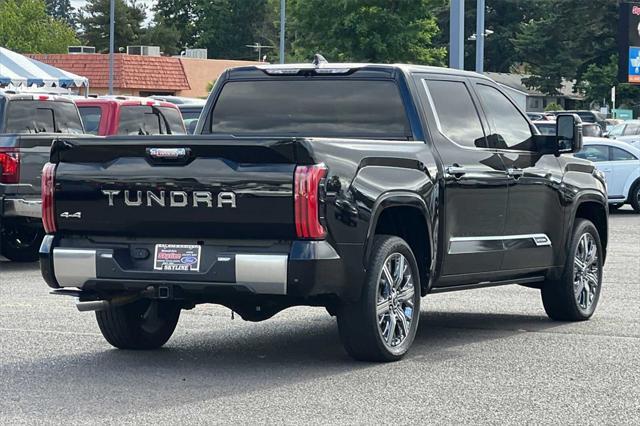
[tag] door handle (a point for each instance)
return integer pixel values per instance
(515, 173)
(456, 171)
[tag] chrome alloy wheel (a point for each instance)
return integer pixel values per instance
(586, 271)
(396, 300)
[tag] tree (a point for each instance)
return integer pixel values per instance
(25, 27)
(564, 38)
(597, 81)
(62, 10)
(164, 35)
(94, 21)
(364, 30)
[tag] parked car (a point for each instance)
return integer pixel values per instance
(620, 162)
(28, 125)
(190, 114)
(627, 131)
(177, 100)
(541, 116)
(546, 127)
(590, 117)
(121, 115)
(592, 130)
(359, 188)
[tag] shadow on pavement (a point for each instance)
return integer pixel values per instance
(204, 366)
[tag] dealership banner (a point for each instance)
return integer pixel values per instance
(629, 43)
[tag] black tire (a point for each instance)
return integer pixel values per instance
(21, 243)
(137, 326)
(634, 197)
(615, 207)
(358, 323)
(559, 297)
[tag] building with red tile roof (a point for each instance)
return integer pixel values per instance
(137, 75)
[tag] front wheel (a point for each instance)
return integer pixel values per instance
(144, 324)
(382, 325)
(575, 295)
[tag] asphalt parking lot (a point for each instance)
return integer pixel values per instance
(481, 356)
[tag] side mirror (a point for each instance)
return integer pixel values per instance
(568, 133)
(191, 128)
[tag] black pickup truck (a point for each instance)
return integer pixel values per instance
(359, 188)
(28, 125)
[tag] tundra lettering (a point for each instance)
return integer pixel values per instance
(176, 198)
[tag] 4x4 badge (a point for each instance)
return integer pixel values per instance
(67, 215)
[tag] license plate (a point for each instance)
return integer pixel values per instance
(177, 257)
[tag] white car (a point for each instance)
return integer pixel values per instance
(627, 131)
(620, 163)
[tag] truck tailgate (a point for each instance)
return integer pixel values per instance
(191, 187)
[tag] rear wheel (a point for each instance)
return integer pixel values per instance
(575, 296)
(144, 324)
(634, 197)
(382, 325)
(21, 242)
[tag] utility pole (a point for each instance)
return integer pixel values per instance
(283, 20)
(258, 48)
(456, 34)
(480, 35)
(112, 13)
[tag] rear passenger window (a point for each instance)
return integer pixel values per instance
(27, 116)
(147, 120)
(510, 130)
(618, 154)
(456, 113)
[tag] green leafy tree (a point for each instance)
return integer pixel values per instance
(553, 107)
(597, 81)
(62, 10)
(564, 38)
(364, 30)
(25, 27)
(164, 35)
(94, 21)
(224, 27)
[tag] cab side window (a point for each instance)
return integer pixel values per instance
(456, 113)
(595, 153)
(509, 129)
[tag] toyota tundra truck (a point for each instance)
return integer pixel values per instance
(355, 187)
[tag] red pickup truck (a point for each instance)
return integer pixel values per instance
(122, 115)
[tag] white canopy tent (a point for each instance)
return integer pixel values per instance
(19, 71)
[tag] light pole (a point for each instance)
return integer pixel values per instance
(456, 34)
(480, 35)
(112, 13)
(282, 24)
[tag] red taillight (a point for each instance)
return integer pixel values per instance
(307, 203)
(48, 185)
(9, 165)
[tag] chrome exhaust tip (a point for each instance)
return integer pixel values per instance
(93, 305)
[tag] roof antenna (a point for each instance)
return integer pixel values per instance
(319, 59)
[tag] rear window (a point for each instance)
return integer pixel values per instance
(311, 107)
(150, 120)
(91, 117)
(27, 116)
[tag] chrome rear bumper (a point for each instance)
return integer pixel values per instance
(259, 273)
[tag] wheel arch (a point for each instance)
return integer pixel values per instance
(594, 208)
(406, 215)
